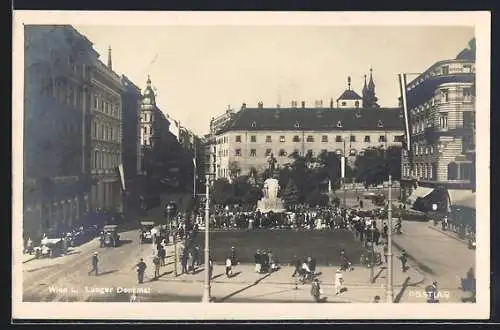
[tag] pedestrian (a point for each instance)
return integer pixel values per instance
(95, 263)
(210, 267)
(162, 254)
(184, 262)
(229, 272)
(156, 262)
(385, 231)
(298, 266)
(316, 290)
(339, 281)
(141, 269)
(386, 251)
(431, 292)
(404, 259)
(257, 260)
(190, 261)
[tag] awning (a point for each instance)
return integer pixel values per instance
(462, 197)
(419, 192)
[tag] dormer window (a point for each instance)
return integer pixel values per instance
(356, 104)
(380, 124)
(297, 125)
(357, 115)
(254, 124)
(339, 124)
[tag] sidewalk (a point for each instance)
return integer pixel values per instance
(450, 234)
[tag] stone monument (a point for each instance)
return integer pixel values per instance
(271, 202)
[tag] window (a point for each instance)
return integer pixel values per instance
(467, 68)
(380, 124)
(445, 70)
(102, 132)
(268, 152)
(145, 130)
(268, 138)
(452, 171)
(398, 138)
(296, 138)
(151, 130)
(352, 138)
(254, 124)
(367, 138)
(96, 156)
(297, 124)
(444, 95)
(339, 124)
(237, 152)
(467, 94)
(356, 104)
(253, 152)
(310, 138)
(94, 133)
(324, 138)
(338, 138)
(443, 120)
(102, 104)
(344, 103)
(253, 138)
(382, 138)
(282, 138)
(465, 171)
(282, 153)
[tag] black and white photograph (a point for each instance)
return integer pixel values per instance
(251, 165)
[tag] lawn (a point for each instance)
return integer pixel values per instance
(284, 244)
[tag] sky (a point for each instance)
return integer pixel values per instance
(199, 71)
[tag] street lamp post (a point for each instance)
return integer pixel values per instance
(372, 264)
(206, 287)
(390, 290)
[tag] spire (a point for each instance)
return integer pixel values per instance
(148, 82)
(348, 82)
(371, 84)
(110, 62)
(365, 88)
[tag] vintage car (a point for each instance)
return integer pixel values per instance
(109, 236)
(51, 246)
(146, 231)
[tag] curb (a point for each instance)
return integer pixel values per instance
(448, 234)
(28, 260)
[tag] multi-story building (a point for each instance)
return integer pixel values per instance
(353, 125)
(442, 128)
(218, 122)
(132, 155)
(106, 136)
(58, 64)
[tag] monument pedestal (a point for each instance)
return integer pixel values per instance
(271, 202)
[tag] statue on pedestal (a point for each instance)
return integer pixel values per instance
(272, 165)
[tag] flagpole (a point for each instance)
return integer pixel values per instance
(194, 171)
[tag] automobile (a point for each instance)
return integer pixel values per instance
(109, 236)
(51, 245)
(146, 231)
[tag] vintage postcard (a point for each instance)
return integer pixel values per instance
(251, 165)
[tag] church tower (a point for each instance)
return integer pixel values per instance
(369, 98)
(148, 109)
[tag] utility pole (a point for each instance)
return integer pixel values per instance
(390, 291)
(343, 168)
(206, 287)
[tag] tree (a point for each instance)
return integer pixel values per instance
(221, 192)
(234, 170)
(315, 197)
(374, 166)
(291, 194)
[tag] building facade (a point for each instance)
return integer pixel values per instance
(247, 141)
(441, 107)
(106, 136)
(58, 66)
(132, 155)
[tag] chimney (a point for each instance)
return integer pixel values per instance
(294, 104)
(278, 106)
(303, 104)
(243, 106)
(260, 105)
(110, 62)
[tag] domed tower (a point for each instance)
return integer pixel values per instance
(148, 109)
